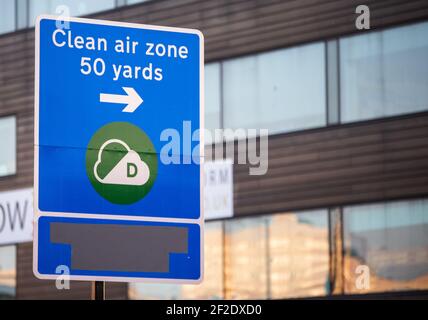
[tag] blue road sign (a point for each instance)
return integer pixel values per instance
(118, 146)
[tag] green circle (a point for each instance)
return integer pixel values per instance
(121, 163)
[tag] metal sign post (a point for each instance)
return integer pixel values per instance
(98, 290)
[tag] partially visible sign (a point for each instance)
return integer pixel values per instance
(218, 192)
(16, 216)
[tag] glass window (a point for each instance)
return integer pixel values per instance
(7, 21)
(212, 285)
(246, 261)
(76, 8)
(299, 254)
(21, 14)
(7, 272)
(8, 148)
(277, 256)
(135, 1)
(212, 98)
(391, 239)
(282, 90)
(384, 73)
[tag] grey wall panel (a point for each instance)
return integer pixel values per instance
(363, 162)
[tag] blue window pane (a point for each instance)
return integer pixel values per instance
(282, 90)
(7, 21)
(384, 73)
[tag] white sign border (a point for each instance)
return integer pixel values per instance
(38, 213)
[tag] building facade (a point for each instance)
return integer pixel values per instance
(343, 207)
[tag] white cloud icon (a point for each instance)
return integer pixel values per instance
(130, 170)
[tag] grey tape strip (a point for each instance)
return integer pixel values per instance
(126, 248)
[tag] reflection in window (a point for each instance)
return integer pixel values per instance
(392, 240)
(210, 288)
(7, 21)
(277, 256)
(76, 7)
(282, 90)
(384, 73)
(212, 285)
(246, 264)
(7, 272)
(8, 148)
(212, 98)
(299, 258)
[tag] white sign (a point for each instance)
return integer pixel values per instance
(218, 191)
(16, 216)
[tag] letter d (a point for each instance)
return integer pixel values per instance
(148, 72)
(131, 170)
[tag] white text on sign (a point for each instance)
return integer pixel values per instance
(97, 66)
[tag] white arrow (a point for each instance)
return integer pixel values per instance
(132, 99)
